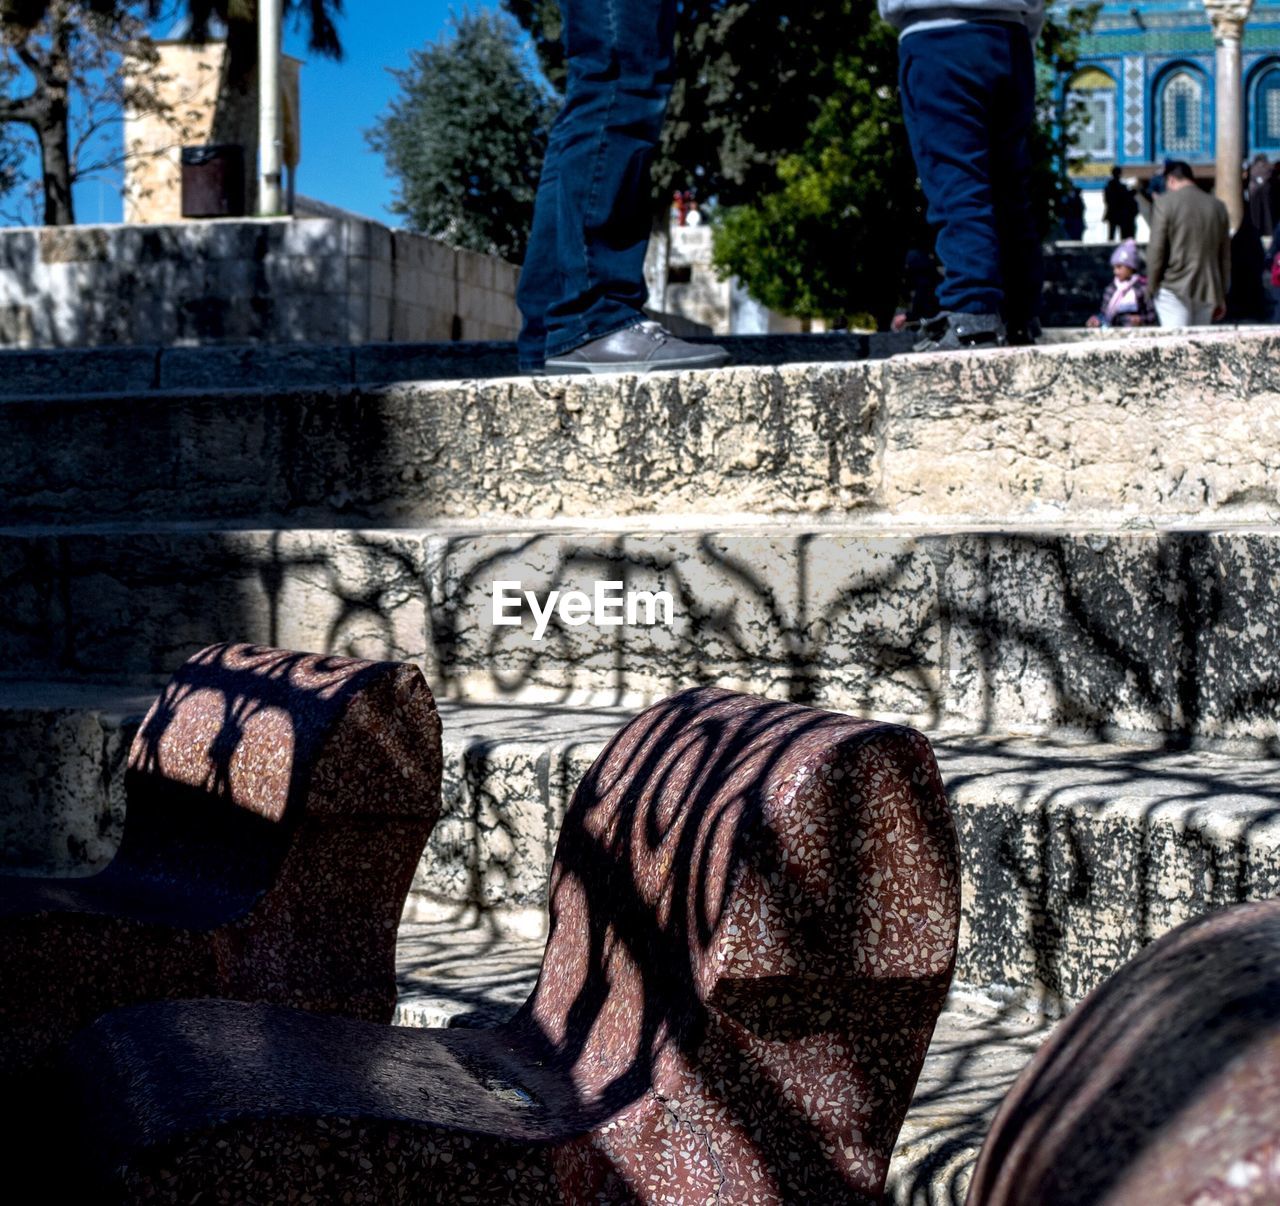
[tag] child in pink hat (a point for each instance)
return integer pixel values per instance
(1126, 302)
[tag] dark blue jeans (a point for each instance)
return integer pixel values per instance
(968, 97)
(583, 274)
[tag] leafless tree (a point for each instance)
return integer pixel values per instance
(83, 71)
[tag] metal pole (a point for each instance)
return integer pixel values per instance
(270, 130)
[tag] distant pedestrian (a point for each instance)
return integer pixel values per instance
(967, 83)
(1260, 189)
(1189, 254)
(1120, 207)
(1126, 302)
(1248, 298)
(1073, 215)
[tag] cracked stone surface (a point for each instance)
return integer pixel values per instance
(1102, 631)
(1085, 428)
(1073, 430)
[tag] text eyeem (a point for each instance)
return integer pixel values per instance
(609, 605)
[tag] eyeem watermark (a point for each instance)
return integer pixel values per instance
(610, 605)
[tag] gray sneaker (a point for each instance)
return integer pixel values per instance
(950, 332)
(646, 347)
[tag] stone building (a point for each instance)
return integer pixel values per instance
(190, 74)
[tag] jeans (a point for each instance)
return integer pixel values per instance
(583, 274)
(1175, 311)
(968, 99)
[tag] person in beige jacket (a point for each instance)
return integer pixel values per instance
(1189, 255)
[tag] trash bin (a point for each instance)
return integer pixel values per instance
(213, 181)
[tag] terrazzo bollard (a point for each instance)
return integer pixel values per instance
(1161, 1087)
(754, 910)
(277, 805)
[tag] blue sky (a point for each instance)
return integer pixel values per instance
(340, 101)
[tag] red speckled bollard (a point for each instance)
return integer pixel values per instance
(754, 911)
(277, 805)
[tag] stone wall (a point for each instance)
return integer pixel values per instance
(279, 280)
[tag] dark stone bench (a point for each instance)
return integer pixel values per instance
(277, 805)
(754, 912)
(1162, 1086)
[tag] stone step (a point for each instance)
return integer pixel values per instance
(1108, 631)
(1170, 427)
(461, 972)
(1075, 854)
(39, 372)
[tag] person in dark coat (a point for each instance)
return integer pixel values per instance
(1260, 188)
(1073, 215)
(1120, 207)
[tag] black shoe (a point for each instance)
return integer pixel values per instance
(644, 348)
(950, 332)
(1024, 334)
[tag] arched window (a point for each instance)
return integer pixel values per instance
(1091, 109)
(1182, 111)
(1266, 110)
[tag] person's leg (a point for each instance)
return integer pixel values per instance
(583, 274)
(947, 86)
(540, 276)
(1199, 314)
(1014, 113)
(1171, 309)
(620, 62)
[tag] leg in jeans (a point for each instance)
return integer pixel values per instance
(583, 274)
(1021, 261)
(946, 86)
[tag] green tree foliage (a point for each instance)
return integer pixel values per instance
(466, 137)
(751, 75)
(828, 237)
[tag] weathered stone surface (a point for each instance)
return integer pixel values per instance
(754, 439)
(61, 789)
(1163, 631)
(789, 616)
(254, 366)
(239, 281)
(132, 606)
(1099, 632)
(1146, 427)
(34, 374)
(1077, 855)
(1024, 434)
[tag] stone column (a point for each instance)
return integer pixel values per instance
(1228, 18)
